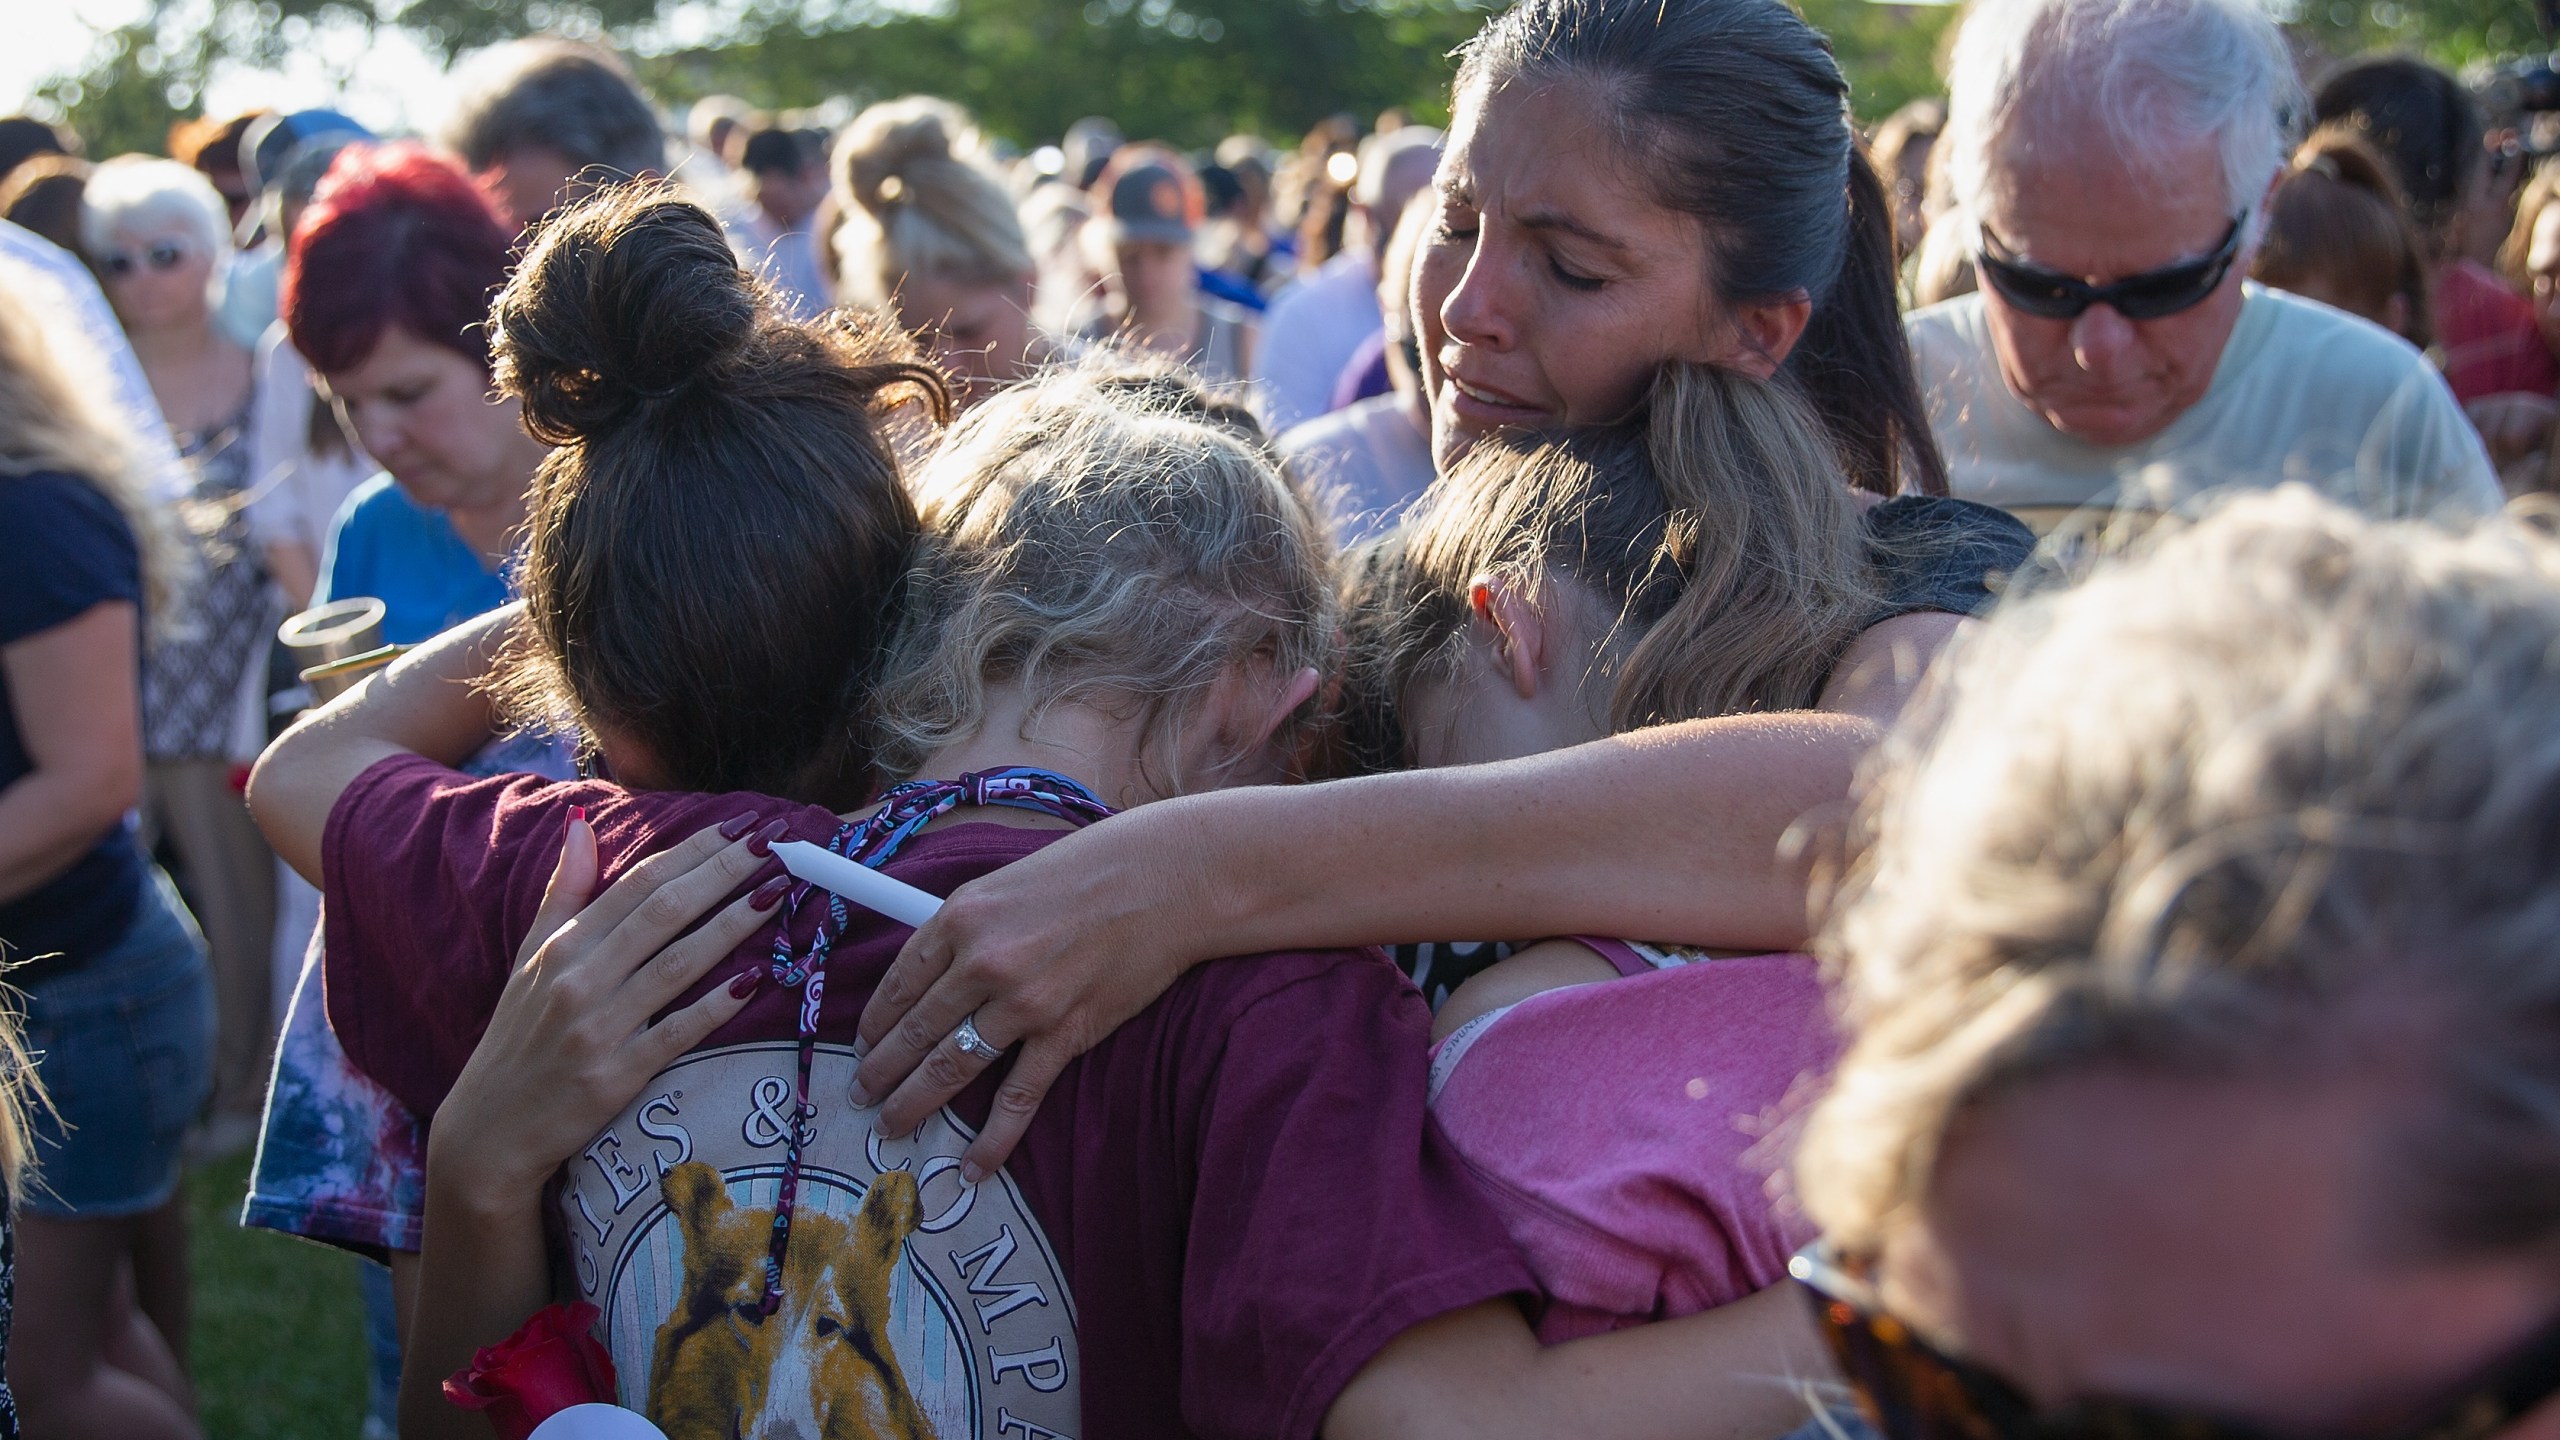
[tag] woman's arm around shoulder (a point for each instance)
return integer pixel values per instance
(1678, 833)
(428, 703)
(1737, 1372)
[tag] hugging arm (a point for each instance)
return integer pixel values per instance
(1678, 833)
(1738, 1372)
(574, 1027)
(429, 703)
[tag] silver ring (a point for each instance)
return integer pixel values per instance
(972, 1043)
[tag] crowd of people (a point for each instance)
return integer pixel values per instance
(1653, 765)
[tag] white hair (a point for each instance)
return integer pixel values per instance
(146, 196)
(2276, 796)
(2145, 75)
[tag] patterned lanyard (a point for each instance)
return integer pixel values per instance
(907, 809)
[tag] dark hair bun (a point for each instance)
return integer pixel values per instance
(627, 299)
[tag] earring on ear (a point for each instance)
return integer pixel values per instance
(1480, 605)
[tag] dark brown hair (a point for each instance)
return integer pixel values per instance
(43, 195)
(715, 549)
(2338, 218)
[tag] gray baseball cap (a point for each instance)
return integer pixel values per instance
(1150, 202)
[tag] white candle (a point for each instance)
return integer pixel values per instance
(597, 1422)
(858, 883)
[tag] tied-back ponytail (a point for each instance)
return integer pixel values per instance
(1854, 361)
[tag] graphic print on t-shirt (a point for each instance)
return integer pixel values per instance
(914, 1307)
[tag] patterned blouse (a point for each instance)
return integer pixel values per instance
(192, 677)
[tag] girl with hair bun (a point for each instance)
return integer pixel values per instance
(2338, 231)
(722, 521)
(717, 475)
(719, 529)
(930, 234)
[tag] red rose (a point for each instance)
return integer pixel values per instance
(546, 1367)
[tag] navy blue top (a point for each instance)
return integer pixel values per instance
(70, 550)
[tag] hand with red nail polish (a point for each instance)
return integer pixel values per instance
(762, 842)
(732, 829)
(574, 1024)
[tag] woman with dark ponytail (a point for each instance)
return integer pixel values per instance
(1629, 184)
(1735, 222)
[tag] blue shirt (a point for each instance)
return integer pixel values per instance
(388, 546)
(70, 550)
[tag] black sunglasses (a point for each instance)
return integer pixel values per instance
(2150, 295)
(1910, 1390)
(165, 256)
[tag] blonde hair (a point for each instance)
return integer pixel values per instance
(53, 418)
(21, 1093)
(2275, 796)
(1110, 535)
(918, 200)
(1715, 525)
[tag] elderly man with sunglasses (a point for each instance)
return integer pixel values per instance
(2113, 158)
(2204, 979)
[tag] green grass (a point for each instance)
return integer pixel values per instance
(279, 1327)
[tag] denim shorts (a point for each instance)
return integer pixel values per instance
(124, 1048)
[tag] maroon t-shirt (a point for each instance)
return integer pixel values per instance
(1241, 1191)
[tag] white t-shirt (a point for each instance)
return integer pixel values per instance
(787, 259)
(297, 491)
(1310, 333)
(2304, 392)
(1364, 464)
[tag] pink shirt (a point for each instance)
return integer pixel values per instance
(1624, 1132)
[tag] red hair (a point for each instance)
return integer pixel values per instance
(395, 235)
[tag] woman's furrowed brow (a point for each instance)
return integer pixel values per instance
(1559, 221)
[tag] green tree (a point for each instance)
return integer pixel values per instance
(2456, 33)
(1891, 53)
(1187, 72)
(133, 90)
(1183, 70)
